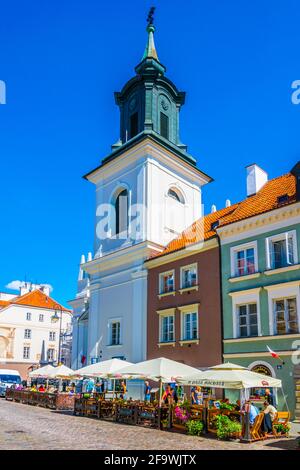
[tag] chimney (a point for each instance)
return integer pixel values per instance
(25, 288)
(256, 179)
(213, 208)
(296, 172)
(89, 257)
(227, 203)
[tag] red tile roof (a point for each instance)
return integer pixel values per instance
(264, 201)
(35, 298)
(197, 232)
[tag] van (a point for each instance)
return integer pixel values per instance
(8, 378)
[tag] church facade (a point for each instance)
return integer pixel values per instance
(147, 191)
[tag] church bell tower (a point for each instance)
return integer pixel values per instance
(148, 189)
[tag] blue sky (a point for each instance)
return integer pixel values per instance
(62, 61)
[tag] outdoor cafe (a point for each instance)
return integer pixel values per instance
(177, 397)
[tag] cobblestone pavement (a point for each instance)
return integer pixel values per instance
(28, 427)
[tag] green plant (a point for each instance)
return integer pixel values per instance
(227, 406)
(194, 427)
(227, 428)
(164, 423)
(282, 428)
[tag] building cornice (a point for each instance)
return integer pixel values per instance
(259, 224)
(142, 150)
(254, 339)
(239, 355)
(237, 293)
(119, 258)
(190, 250)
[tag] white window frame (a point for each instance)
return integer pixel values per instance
(52, 335)
(233, 257)
(26, 356)
(285, 290)
(109, 332)
(27, 333)
(279, 237)
(284, 299)
(170, 312)
(183, 311)
(249, 296)
(247, 314)
(160, 282)
(54, 354)
(184, 268)
(28, 316)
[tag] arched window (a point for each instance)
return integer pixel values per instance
(173, 193)
(121, 208)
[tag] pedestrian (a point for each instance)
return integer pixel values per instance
(147, 391)
(123, 390)
(270, 397)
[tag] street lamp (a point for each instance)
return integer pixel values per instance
(56, 318)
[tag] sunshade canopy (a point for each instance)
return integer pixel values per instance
(230, 376)
(42, 371)
(161, 368)
(102, 369)
(61, 372)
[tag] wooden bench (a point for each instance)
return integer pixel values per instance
(282, 417)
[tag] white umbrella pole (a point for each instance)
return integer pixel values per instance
(160, 392)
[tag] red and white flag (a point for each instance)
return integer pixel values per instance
(273, 353)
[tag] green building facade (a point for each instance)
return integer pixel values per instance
(261, 296)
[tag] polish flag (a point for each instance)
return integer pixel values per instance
(273, 353)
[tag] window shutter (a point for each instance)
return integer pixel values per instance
(289, 249)
(268, 253)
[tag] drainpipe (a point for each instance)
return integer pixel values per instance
(221, 298)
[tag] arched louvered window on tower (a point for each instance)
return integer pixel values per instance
(175, 194)
(121, 212)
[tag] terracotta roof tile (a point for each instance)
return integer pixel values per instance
(35, 298)
(198, 231)
(266, 199)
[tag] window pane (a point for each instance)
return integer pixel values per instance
(243, 331)
(278, 254)
(253, 330)
(164, 125)
(252, 308)
(134, 121)
(121, 208)
(242, 310)
(250, 261)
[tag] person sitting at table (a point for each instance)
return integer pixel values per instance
(123, 390)
(42, 388)
(147, 389)
(269, 416)
(252, 410)
(33, 388)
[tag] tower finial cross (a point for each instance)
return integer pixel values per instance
(150, 18)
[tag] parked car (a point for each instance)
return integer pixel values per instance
(8, 378)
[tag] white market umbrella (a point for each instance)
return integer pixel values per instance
(42, 371)
(61, 372)
(230, 376)
(102, 369)
(160, 369)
